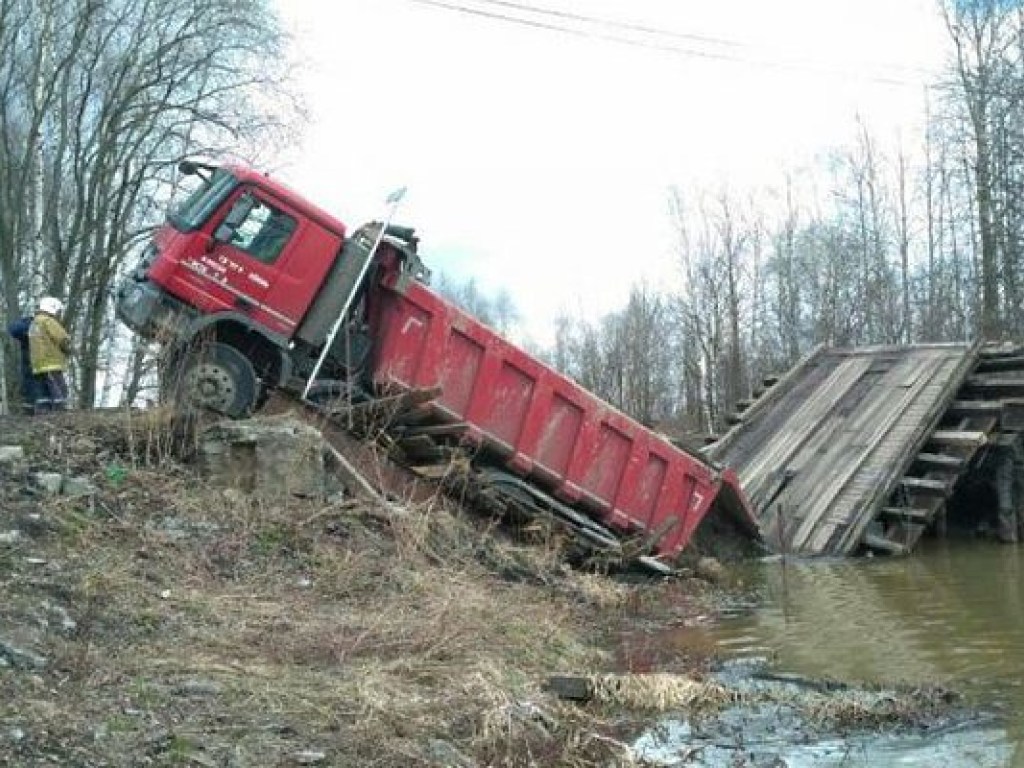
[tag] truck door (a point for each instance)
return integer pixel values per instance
(242, 259)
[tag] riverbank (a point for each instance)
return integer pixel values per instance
(154, 618)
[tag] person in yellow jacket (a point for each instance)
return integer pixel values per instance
(49, 345)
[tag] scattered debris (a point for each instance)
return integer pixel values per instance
(75, 487)
(51, 482)
(310, 757)
(19, 658)
(198, 688)
(10, 537)
(11, 454)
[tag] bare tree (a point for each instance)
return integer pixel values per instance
(100, 100)
(980, 41)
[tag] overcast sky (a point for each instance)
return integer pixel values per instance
(539, 160)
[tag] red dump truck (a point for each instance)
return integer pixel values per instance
(266, 280)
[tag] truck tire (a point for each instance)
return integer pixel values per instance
(219, 378)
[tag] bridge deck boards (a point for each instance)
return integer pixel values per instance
(822, 455)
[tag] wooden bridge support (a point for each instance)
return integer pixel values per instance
(1008, 471)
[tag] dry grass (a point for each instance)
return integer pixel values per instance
(215, 628)
(661, 692)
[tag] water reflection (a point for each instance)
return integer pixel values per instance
(952, 614)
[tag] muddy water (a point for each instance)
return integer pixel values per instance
(951, 614)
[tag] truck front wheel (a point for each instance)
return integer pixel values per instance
(220, 378)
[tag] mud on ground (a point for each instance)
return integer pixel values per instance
(150, 618)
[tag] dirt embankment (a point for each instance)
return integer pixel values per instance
(153, 618)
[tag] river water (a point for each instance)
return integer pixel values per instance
(952, 613)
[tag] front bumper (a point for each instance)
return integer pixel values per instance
(150, 312)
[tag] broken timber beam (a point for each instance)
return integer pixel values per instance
(999, 364)
(941, 461)
(911, 514)
(354, 480)
(969, 408)
(882, 544)
(435, 430)
(958, 437)
(993, 387)
(385, 408)
(926, 486)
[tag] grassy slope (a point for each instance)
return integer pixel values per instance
(211, 628)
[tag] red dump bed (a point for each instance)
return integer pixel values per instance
(541, 425)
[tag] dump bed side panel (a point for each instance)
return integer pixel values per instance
(536, 422)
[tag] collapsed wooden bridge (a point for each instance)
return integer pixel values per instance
(862, 448)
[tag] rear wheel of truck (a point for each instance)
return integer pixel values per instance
(217, 377)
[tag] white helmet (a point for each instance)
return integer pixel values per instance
(50, 305)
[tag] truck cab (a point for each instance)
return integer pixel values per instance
(243, 283)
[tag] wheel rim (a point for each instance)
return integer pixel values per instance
(211, 385)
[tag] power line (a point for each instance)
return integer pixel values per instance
(452, 6)
(626, 25)
(649, 30)
(555, 26)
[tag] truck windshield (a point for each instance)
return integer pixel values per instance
(203, 201)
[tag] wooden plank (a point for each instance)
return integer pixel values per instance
(882, 544)
(926, 486)
(994, 349)
(434, 430)
(830, 442)
(1000, 364)
(762, 476)
(718, 448)
(433, 471)
(423, 450)
(895, 391)
(913, 514)
(962, 408)
(940, 461)
(384, 408)
(997, 387)
(831, 457)
(958, 437)
(420, 415)
(416, 443)
(356, 483)
(949, 366)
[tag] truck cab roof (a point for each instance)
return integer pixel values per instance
(246, 173)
